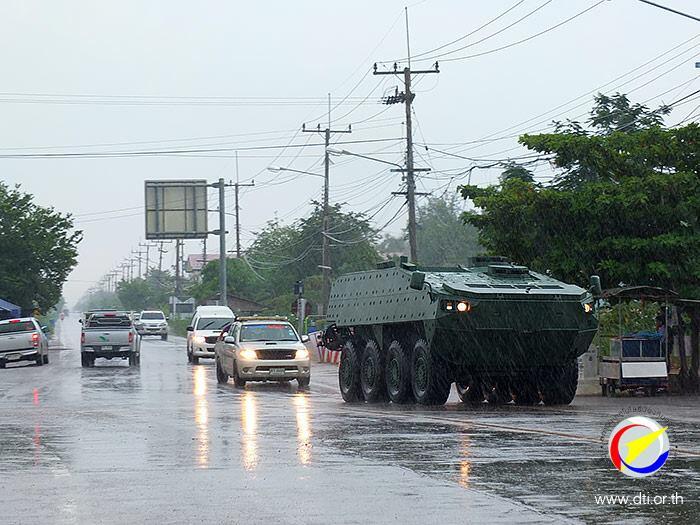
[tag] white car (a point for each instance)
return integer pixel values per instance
(152, 322)
(23, 340)
(262, 349)
(204, 330)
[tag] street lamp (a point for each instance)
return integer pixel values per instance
(325, 247)
(338, 152)
(277, 169)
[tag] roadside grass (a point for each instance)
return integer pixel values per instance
(178, 326)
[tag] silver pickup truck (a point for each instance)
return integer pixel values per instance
(109, 335)
(23, 340)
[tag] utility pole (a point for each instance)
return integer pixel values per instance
(161, 251)
(407, 97)
(221, 232)
(148, 247)
(138, 258)
(178, 269)
(325, 246)
(238, 224)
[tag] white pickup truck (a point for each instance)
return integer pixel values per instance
(23, 340)
(109, 335)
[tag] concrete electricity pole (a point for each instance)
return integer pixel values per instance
(325, 246)
(407, 98)
(238, 223)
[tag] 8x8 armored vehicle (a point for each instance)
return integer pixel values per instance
(497, 330)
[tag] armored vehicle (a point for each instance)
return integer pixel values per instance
(498, 330)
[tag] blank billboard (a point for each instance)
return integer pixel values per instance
(176, 209)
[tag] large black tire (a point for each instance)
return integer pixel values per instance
(195, 360)
(524, 387)
(349, 374)
(238, 381)
(133, 360)
(471, 392)
(558, 384)
(39, 360)
(398, 374)
(429, 380)
(221, 376)
(303, 382)
(164, 337)
(499, 391)
(372, 373)
(189, 354)
(46, 359)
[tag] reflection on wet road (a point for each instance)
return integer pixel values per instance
(166, 443)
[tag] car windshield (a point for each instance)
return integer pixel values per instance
(268, 332)
(213, 323)
(22, 326)
(152, 315)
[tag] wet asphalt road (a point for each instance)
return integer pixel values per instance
(164, 443)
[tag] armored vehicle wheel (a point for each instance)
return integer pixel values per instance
(429, 380)
(349, 374)
(398, 374)
(221, 376)
(471, 392)
(525, 390)
(499, 394)
(558, 384)
(372, 373)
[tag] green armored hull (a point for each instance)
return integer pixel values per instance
(498, 330)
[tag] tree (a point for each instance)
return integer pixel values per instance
(515, 171)
(625, 206)
(442, 237)
(284, 254)
(152, 291)
(38, 249)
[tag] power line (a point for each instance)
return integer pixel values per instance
(671, 10)
(522, 41)
(174, 151)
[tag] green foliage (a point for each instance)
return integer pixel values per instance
(98, 299)
(152, 292)
(626, 207)
(515, 171)
(284, 254)
(442, 237)
(38, 249)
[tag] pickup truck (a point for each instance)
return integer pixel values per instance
(23, 340)
(109, 335)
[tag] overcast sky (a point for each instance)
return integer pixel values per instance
(241, 75)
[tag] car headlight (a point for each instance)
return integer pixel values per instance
(302, 354)
(248, 354)
(199, 339)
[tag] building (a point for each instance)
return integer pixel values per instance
(240, 305)
(195, 262)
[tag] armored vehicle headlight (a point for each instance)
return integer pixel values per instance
(248, 354)
(463, 306)
(587, 307)
(449, 306)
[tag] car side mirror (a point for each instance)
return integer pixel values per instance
(229, 340)
(190, 328)
(304, 338)
(80, 321)
(417, 280)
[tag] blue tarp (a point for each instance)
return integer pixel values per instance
(12, 309)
